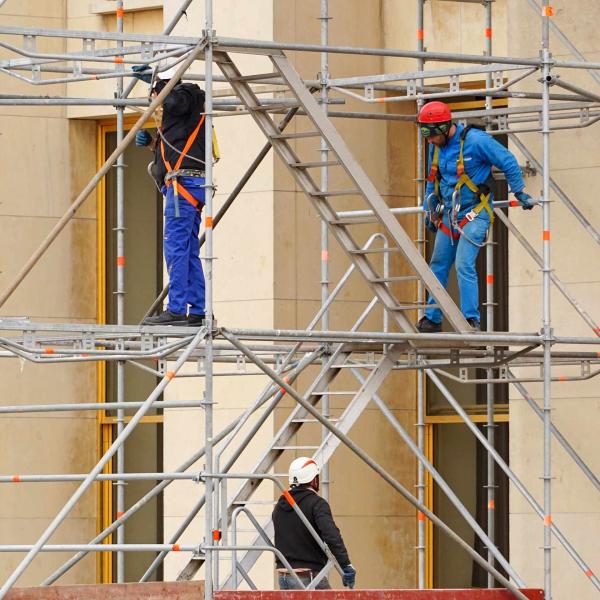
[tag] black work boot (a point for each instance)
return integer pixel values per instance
(195, 320)
(474, 323)
(167, 318)
(426, 325)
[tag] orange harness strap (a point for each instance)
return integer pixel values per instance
(178, 188)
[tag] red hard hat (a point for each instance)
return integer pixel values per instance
(434, 112)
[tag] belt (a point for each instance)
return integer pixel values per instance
(184, 173)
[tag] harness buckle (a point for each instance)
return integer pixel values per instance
(470, 215)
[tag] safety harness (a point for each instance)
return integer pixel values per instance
(174, 172)
(482, 191)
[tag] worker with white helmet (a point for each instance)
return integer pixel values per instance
(292, 537)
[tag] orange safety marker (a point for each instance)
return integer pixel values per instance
(16, 479)
(208, 222)
(95, 77)
(120, 513)
(488, 32)
(120, 13)
(589, 573)
(547, 520)
(216, 535)
(324, 255)
(547, 11)
(513, 203)
(380, 100)
(546, 235)
(562, 378)
(421, 516)
(120, 261)
(176, 547)
(289, 498)
(170, 375)
(490, 279)
(420, 34)
(119, 60)
(596, 330)
(48, 350)
(492, 505)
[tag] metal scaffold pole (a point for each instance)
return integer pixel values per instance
(324, 76)
(421, 236)
(120, 295)
(210, 508)
(547, 324)
(490, 307)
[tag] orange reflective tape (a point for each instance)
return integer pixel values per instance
(48, 350)
(547, 520)
(85, 355)
(420, 34)
(95, 77)
(216, 535)
(176, 547)
(492, 505)
(589, 573)
(596, 330)
(546, 235)
(490, 279)
(208, 222)
(119, 60)
(488, 32)
(514, 203)
(120, 261)
(170, 375)
(380, 100)
(324, 255)
(547, 11)
(283, 391)
(120, 513)
(16, 479)
(120, 12)
(421, 516)
(562, 378)
(289, 498)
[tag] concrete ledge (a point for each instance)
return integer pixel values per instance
(379, 595)
(181, 590)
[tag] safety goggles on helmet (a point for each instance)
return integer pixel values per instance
(431, 129)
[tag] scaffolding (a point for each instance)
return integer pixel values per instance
(284, 355)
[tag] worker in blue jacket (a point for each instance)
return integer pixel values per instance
(178, 171)
(458, 202)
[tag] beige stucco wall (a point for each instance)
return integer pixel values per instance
(41, 171)
(575, 504)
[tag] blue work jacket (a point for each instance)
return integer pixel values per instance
(480, 152)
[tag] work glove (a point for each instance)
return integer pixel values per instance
(143, 138)
(349, 577)
(139, 74)
(431, 221)
(527, 202)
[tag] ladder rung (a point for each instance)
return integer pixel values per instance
(315, 164)
(333, 393)
(392, 279)
(294, 136)
(256, 77)
(357, 221)
(416, 305)
(268, 107)
(312, 420)
(337, 193)
(244, 502)
(295, 447)
(375, 250)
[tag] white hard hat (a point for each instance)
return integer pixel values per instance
(303, 470)
(167, 73)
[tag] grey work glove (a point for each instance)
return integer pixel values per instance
(349, 577)
(527, 202)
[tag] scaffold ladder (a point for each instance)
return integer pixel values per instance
(360, 186)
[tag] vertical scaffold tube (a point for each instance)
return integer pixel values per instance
(547, 328)
(324, 18)
(210, 521)
(421, 522)
(120, 231)
(489, 305)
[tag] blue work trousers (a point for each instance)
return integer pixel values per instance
(462, 253)
(288, 582)
(181, 247)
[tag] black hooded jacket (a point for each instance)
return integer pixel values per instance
(293, 539)
(182, 111)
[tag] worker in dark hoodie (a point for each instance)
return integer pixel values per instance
(293, 539)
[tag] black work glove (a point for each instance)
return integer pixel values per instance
(527, 202)
(349, 577)
(138, 72)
